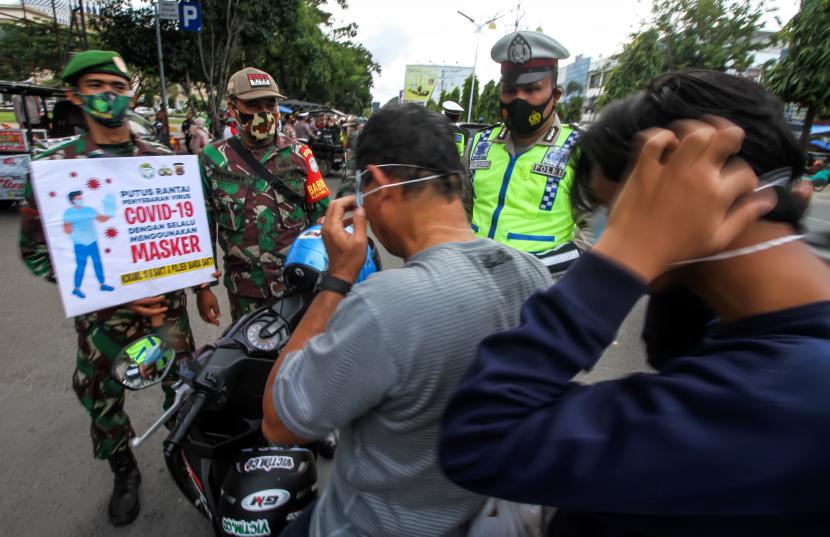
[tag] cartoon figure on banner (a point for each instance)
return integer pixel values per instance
(79, 223)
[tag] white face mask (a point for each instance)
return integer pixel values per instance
(779, 177)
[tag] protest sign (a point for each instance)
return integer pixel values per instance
(13, 171)
(121, 229)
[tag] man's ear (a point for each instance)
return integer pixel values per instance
(232, 111)
(557, 94)
(73, 98)
(378, 175)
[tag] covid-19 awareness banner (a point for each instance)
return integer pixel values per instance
(122, 229)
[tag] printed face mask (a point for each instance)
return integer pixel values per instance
(523, 118)
(108, 108)
(359, 194)
(261, 126)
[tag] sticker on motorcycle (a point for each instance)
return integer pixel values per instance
(265, 500)
(271, 462)
(246, 528)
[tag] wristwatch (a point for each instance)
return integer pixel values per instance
(328, 282)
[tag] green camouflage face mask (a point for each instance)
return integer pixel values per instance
(107, 108)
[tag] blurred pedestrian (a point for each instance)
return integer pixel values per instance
(186, 124)
(199, 136)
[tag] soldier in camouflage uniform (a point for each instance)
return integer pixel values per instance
(255, 221)
(100, 85)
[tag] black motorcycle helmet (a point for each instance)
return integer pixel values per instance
(265, 489)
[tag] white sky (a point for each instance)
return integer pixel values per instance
(430, 31)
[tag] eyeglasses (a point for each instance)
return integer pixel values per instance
(359, 195)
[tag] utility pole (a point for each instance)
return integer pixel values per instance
(161, 75)
(479, 27)
(57, 34)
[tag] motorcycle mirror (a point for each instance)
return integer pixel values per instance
(143, 363)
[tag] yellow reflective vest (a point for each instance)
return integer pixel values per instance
(523, 200)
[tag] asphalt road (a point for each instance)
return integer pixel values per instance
(50, 484)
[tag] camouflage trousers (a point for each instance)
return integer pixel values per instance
(242, 305)
(101, 336)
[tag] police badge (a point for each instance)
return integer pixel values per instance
(519, 51)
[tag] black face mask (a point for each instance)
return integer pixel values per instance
(522, 117)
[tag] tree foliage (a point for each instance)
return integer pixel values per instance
(294, 40)
(487, 106)
(573, 87)
(683, 34)
(571, 111)
(803, 75)
(465, 95)
(26, 48)
(319, 62)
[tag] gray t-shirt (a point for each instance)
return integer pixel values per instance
(382, 373)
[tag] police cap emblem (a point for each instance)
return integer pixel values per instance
(519, 51)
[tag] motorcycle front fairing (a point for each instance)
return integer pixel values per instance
(230, 376)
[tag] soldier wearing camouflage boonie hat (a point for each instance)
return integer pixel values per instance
(254, 220)
(533, 214)
(101, 335)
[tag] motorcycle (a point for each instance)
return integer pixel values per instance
(215, 450)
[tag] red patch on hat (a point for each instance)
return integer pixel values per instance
(258, 80)
(532, 64)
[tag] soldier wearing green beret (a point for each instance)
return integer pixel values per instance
(520, 171)
(100, 85)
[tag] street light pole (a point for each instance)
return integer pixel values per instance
(161, 73)
(479, 27)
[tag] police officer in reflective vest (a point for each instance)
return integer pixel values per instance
(452, 110)
(521, 178)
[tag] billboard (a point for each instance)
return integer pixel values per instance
(423, 82)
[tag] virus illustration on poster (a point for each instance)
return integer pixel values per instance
(111, 232)
(73, 174)
(107, 250)
(53, 194)
(93, 184)
(108, 180)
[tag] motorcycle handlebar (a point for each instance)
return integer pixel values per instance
(174, 439)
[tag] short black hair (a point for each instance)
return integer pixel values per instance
(411, 134)
(74, 194)
(609, 142)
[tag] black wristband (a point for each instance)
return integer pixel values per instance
(336, 285)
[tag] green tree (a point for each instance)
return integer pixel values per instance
(465, 94)
(683, 34)
(573, 87)
(803, 75)
(320, 62)
(26, 48)
(642, 59)
(571, 112)
(487, 105)
(231, 30)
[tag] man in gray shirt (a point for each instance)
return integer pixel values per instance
(380, 363)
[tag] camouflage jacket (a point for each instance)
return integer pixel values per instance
(254, 223)
(33, 248)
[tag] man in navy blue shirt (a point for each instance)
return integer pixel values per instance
(729, 437)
